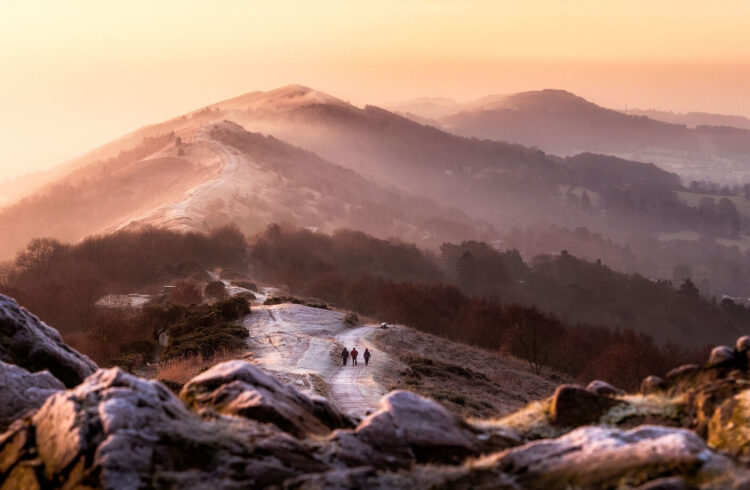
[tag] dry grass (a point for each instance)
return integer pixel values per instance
(183, 369)
(467, 380)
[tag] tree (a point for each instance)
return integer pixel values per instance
(529, 341)
(680, 273)
(39, 254)
(688, 288)
(185, 293)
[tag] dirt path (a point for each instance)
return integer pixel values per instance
(353, 388)
(300, 344)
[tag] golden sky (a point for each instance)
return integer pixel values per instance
(77, 73)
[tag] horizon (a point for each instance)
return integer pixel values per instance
(117, 70)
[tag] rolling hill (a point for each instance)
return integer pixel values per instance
(565, 124)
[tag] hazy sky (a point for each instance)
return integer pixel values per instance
(75, 74)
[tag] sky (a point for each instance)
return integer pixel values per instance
(75, 74)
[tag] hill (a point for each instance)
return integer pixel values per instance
(565, 124)
(206, 175)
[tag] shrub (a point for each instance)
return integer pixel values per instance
(351, 319)
(185, 293)
(216, 290)
(246, 284)
(204, 329)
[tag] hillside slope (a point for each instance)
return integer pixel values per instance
(565, 124)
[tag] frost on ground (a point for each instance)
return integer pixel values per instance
(301, 345)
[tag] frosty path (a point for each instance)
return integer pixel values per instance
(353, 388)
(302, 345)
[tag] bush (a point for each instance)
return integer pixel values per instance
(351, 319)
(312, 303)
(246, 284)
(203, 329)
(185, 293)
(216, 290)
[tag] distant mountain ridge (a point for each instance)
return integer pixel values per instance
(698, 147)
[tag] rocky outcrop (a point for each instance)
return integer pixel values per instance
(406, 428)
(239, 388)
(22, 392)
(574, 405)
(29, 343)
(237, 426)
(119, 431)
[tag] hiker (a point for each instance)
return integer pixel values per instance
(354, 356)
(344, 355)
(367, 356)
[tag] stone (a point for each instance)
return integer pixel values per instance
(406, 428)
(720, 355)
(651, 384)
(729, 427)
(22, 392)
(119, 431)
(31, 344)
(604, 388)
(684, 370)
(743, 344)
(600, 457)
(242, 389)
(574, 405)
(667, 483)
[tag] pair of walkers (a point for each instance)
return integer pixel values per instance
(354, 354)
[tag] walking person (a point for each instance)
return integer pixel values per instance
(367, 356)
(354, 356)
(344, 355)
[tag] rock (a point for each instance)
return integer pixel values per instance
(720, 355)
(118, 431)
(604, 388)
(242, 389)
(23, 392)
(743, 344)
(406, 428)
(574, 405)
(729, 427)
(684, 370)
(598, 457)
(29, 343)
(651, 384)
(668, 483)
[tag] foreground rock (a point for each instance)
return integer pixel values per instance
(22, 392)
(119, 431)
(29, 343)
(239, 388)
(406, 428)
(237, 426)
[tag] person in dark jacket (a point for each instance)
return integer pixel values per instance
(367, 356)
(344, 355)
(354, 356)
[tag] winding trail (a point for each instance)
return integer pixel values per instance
(353, 388)
(301, 345)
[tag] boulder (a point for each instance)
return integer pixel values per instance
(721, 355)
(22, 392)
(743, 344)
(682, 371)
(119, 431)
(406, 428)
(601, 457)
(574, 405)
(29, 343)
(604, 388)
(242, 389)
(651, 384)
(729, 427)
